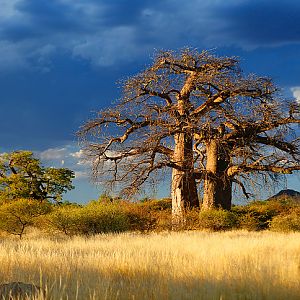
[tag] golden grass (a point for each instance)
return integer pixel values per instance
(188, 265)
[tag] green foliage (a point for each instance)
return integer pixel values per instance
(57, 182)
(94, 218)
(114, 215)
(155, 214)
(286, 222)
(157, 205)
(16, 216)
(217, 219)
(140, 217)
(105, 198)
(195, 219)
(65, 219)
(107, 217)
(249, 221)
(257, 215)
(22, 176)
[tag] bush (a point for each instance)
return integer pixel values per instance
(217, 219)
(249, 221)
(17, 215)
(65, 219)
(163, 220)
(286, 222)
(157, 205)
(192, 219)
(96, 217)
(104, 217)
(257, 215)
(140, 217)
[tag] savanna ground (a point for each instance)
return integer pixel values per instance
(176, 265)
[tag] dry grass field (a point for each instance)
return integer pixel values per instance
(187, 265)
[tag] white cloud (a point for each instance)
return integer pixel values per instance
(53, 154)
(81, 175)
(81, 158)
(69, 157)
(296, 93)
(78, 154)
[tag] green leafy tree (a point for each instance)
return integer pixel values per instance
(23, 176)
(16, 216)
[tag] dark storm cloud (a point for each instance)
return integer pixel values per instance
(48, 14)
(92, 30)
(111, 32)
(122, 12)
(36, 19)
(60, 59)
(262, 23)
(244, 24)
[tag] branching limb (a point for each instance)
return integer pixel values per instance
(234, 170)
(247, 195)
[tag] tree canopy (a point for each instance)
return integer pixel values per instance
(22, 176)
(199, 115)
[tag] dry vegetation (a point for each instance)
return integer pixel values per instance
(186, 265)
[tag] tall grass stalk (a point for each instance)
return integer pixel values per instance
(186, 265)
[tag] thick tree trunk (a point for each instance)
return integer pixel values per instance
(217, 186)
(184, 189)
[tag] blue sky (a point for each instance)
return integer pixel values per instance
(60, 60)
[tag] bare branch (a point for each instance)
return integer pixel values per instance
(234, 170)
(247, 195)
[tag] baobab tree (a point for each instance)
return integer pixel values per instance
(257, 139)
(185, 113)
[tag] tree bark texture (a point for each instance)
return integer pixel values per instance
(184, 189)
(217, 186)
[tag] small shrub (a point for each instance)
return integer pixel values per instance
(154, 215)
(104, 217)
(249, 222)
(217, 219)
(140, 217)
(17, 215)
(65, 219)
(285, 223)
(94, 218)
(257, 215)
(157, 205)
(163, 220)
(192, 219)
